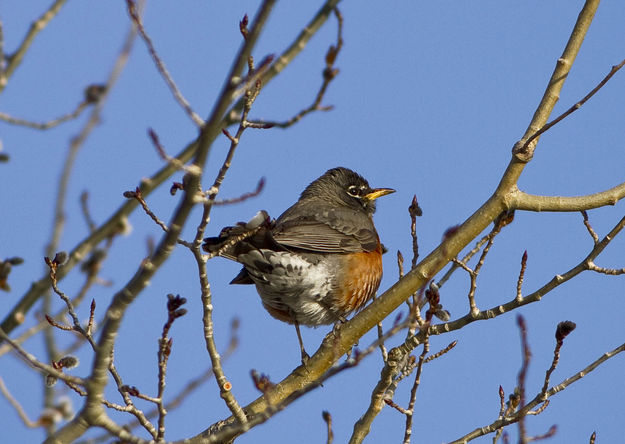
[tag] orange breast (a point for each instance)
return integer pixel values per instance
(360, 280)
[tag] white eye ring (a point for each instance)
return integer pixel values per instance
(353, 191)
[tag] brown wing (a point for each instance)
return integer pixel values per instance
(328, 231)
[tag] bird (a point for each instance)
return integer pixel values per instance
(317, 263)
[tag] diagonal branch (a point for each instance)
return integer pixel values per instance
(575, 107)
(15, 59)
(539, 399)
(160, 65)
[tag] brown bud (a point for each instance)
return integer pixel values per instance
(175, 187)
(15, 260)
(414, 209)
(180, 312)
(131, 390)
(443, 315)
(51, 380)
(563, 330)
(243, 27)
(60, 258)
(68, 362)
(93, 93)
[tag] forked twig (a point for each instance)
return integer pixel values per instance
(329, 73)
(573, 108)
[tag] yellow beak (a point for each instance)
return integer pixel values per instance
(378, 192)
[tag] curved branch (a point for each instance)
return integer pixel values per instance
(531, 202)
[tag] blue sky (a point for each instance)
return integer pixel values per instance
(430, 99)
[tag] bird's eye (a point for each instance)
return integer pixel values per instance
(353, 191)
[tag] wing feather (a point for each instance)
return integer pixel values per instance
(329, 231)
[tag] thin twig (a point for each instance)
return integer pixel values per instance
(136, 194)
(92, 277)
(176, 163)
(45, 125)
(329, 73)
(548, 434)
(160, 65)
(84, 197)
(327, 418)
(454, 266)
(53, 264)
(243, 197)
(519, 282)
(562, 331)
(591, 231)
(225, 386)
(539, 399)
(190, 387)
(34, 362)
(415, 308)
(17, 406)
(413, 391)
(503, 220)
(521, 380)
(603, 270)
(174, 311)
(440, 353)
(573, 108)
(415, 211)
(15, 59)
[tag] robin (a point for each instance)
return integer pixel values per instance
(320, 260)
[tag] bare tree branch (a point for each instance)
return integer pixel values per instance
(529, 202)
(15, 59)
(575, 107)
(160, 65)
(539, 399)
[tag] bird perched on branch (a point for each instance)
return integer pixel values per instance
(320, 260)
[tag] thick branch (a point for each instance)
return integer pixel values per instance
(530, 202)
